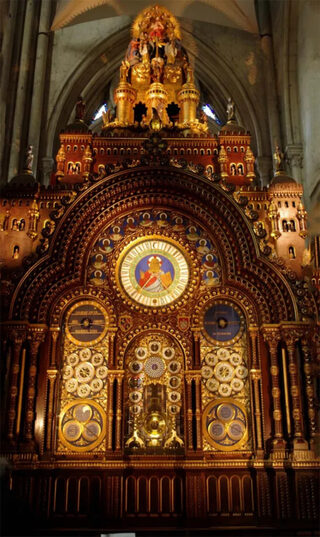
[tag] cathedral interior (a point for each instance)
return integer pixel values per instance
(160, 268)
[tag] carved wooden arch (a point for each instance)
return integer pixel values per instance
(182, 342)
(64, 265)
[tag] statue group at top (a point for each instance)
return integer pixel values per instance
(156, 72)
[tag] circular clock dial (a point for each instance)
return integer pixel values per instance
(154, 273)
(223, 324)
(82, 426)
(86, 323)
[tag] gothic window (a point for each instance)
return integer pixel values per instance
(115, 151)
(22, 224)
(242, 149)
(235, 150)
(75, 148)
(285, 226)
(208, 151)
(15, 225)
(121, 151)
(101, 151)
(15, 254)
(292, 252)
(68, 148)
(286, 204)
(195, 151)
(279, 204)
(258, 206)
(182, 151)
(233, 169)
(82, 148)
(229, 149)
(240, 169)
(189, 151)
(175, 151)
(292, 225)
(293, 204)
(4, 203)
(201, 151)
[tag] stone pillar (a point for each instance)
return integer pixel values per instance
(18, 337)
(272, 337)
(189, 412)
(19, 142)
(266, 40)
(264, 165)
(47, 164)
(35, 336)
(294, 158)
(39, 80)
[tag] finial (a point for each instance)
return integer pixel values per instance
(278, 159)
(80, 109)
(28, 161)
(231, 111)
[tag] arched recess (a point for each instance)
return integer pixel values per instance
(154, 396)
(64, 266)
(211, 67)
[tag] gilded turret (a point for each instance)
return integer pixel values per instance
(156, 73)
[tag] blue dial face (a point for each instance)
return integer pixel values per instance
(222, 322)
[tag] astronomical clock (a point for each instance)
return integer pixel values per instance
(161, 344)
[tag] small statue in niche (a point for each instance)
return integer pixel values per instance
(124, 71)
(29, 159)
(133, 55)
(171, 50)
(278, 159)
(80, 109)
(230, 110)
(188, 73)
(144, 48)
(233, 169)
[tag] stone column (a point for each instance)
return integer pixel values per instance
(18, 337)
(266, 40)
(39, 80)
(294, 158)
(19, 142)
(272, 337)
(35, 336)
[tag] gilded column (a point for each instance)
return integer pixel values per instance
(18, 337)
(35, 337)
(54, 330)
(52, 376)
(196, 346)
(111, 343)
(189, 412)
(110, 411)
(255, 375)
(198, 411)
(119, 411)
(290, 339)
(272, 337)
(310, 392)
